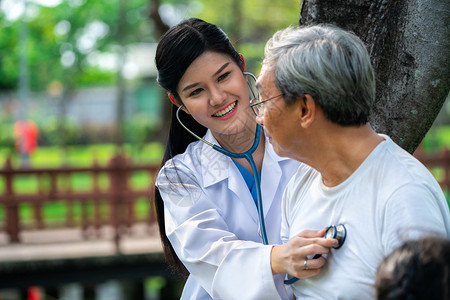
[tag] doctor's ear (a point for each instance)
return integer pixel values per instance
(174, 102)
(242, 64)
(172, 99)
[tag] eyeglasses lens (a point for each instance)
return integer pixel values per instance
(256, 105)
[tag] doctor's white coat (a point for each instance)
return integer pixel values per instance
(212, 222)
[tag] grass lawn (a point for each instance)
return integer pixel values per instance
(53, 156)
(79, 156)
(56, 212)
(437, 139)
(102, 153)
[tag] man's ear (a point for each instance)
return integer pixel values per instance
(307, 110)
(242, 66)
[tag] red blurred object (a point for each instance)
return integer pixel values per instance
(34, 293)
(26, 134)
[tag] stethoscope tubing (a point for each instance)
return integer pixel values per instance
(248, 156)
(340, 229)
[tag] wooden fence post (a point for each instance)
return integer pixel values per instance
(12, 210)
(96, 189)
(54, 185)
(118, 185)
(446, 166)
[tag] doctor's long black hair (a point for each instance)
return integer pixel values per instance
(177, 49)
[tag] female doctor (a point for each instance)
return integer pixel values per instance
(205, 200)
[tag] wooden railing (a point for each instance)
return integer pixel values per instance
(54, 185)
(118, 199)
(439, 165)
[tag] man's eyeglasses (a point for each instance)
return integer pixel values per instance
(257, 105)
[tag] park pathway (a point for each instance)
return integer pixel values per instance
(70, 243)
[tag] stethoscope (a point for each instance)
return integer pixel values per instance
(248, 156)
(338, 232)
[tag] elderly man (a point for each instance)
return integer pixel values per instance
(319, 88)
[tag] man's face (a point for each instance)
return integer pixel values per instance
(277, 118)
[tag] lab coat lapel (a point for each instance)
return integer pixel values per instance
(217, 167)
(238, 186)
(214, 164)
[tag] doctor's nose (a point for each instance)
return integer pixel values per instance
(217, 96)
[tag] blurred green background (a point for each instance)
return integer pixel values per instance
(83, 72)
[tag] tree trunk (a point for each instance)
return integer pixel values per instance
(408, 41)
(120, 81)
(235, 33)
(153, 13)
(161, 28)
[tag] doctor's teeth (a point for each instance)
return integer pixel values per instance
(226, 110)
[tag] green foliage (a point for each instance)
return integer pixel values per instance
(140, 129)
(56, 212)
(64, 132)
(62, 45)
(58, 132)
(66, 30)
(437, 138)
(9, 57)
(54, 156)
(250, 23)
(7, 134)
(94, 77)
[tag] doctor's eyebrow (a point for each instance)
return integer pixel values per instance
(215, 74)
(190, 86)
(221, 69)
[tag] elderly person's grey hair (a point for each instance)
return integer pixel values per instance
(328, 63)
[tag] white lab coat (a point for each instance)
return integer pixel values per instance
(212, 222)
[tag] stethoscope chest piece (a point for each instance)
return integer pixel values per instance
(338, 232)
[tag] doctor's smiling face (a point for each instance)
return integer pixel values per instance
(214, 92)
(277, 118)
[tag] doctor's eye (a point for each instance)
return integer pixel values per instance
(195, 92)
(223, 76)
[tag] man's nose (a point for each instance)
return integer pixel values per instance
(260, 119)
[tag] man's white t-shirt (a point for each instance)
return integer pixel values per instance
(391, 197)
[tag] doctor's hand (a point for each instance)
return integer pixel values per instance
(292, 257)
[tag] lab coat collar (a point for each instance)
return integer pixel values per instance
(215, 165)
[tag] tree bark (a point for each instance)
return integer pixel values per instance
(153, 13)
(120, 80)
(408, 41)
(161, 28)
(235, 33)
